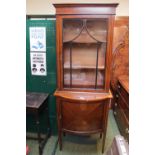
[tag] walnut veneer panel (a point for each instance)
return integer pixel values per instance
(80, 116)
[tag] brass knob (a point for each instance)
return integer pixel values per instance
(119, 86)
(115, 104)
(115, 113)
(116, 95)
(126, 130)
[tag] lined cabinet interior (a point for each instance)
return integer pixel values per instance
(84, 48)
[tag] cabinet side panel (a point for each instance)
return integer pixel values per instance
(109, 53)
(59, 51)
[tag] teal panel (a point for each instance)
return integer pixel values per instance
(47, 83)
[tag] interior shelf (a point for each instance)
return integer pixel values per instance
(84, 86)
(84, 42)
(80, 78)
(80, 83)
(84, 56)
(84, 67)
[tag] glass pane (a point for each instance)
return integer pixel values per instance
(98, 29)
(83, 65)
(101, 66)
(71, 29)
(84, 48)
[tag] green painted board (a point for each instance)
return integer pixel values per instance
(47, 83)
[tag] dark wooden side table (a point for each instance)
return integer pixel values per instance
(35, 104)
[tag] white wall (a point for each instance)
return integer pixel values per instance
(45, 7)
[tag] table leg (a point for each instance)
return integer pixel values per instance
(38, 132)
(48, 122)
(38, 127)
(40, 150)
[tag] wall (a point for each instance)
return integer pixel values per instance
(45, 7)
(47, 83)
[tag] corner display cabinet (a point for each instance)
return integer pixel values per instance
(84, 50)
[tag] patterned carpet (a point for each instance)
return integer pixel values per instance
(77, 145)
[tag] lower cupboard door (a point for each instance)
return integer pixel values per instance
(82, 116)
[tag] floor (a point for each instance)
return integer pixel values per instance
(77, 145)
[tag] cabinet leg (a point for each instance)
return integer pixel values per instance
(106, 112)
(100, 135)
(60, 140)
(103, 142)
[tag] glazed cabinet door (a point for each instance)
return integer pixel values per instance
(84, 45)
